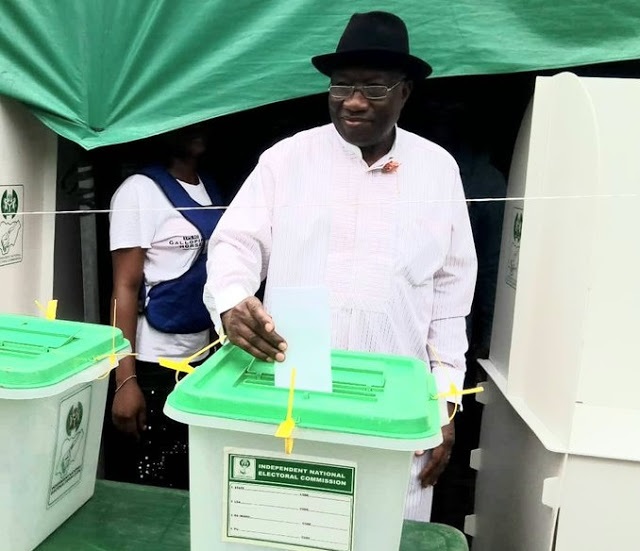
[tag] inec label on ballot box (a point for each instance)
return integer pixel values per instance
(73, 426)
(288, 502)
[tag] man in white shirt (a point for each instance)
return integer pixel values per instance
(373, 213)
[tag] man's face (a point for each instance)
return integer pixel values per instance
(367, 122)
(193, 140)
(188, 142)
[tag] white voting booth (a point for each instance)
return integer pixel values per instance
(28, 158)
(559, 457)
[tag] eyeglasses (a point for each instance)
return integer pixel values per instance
(369, 91)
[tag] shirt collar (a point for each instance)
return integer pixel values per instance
(353, 151)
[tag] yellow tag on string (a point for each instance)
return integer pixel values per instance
(113, 356)
(285, 429)
(184, 366)
(50, 311)
(453, 391)
(180, 366)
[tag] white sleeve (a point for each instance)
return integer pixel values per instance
(132, 219)
(454, 285)
(239, 249)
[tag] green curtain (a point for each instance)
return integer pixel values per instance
(101, 72)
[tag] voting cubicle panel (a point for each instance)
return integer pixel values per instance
(558, 462)
(513, 470)
(567, 301)
(28, 156)
(528, 498)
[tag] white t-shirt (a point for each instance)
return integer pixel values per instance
(142, 216)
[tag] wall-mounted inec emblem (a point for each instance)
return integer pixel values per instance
(9, 204)
(516, 216)
(11, 201)
(517, 228)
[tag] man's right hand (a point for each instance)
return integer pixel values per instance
(248, 326)
(129, 409)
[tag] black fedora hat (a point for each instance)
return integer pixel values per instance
(374, 39)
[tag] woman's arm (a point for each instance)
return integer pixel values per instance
(129, 407)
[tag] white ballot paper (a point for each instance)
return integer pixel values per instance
(302, 317)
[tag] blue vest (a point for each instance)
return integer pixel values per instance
(176, 305)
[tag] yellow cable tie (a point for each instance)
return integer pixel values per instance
(184, 365)
(203, 350)
(181, 366)
(288, 446)
(113, 361)
(51, 309)
(113, 356)
(455, 391)
(285, 429)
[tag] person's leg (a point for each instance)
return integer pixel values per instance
(418, 502)
(162, 458)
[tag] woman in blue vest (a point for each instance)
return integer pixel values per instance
(158, 237)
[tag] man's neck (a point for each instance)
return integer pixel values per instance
(373, 153)
(185, 170)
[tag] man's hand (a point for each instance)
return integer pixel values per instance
(129, 409)
(248, 326)
(440, 455)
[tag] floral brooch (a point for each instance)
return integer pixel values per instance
(390, 167)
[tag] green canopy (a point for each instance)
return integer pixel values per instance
(101, 72)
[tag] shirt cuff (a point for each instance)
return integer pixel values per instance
(225, 300)
(445, 376)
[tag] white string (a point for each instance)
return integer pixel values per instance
(358, 203)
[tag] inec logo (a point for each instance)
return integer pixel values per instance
(74, 419)
(72, 446)
(514, 254)
(11, 199)
(9, 204)
(244, 468)
(517, 228)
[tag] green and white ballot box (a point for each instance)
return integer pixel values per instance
(53, 389)
(342, 488)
